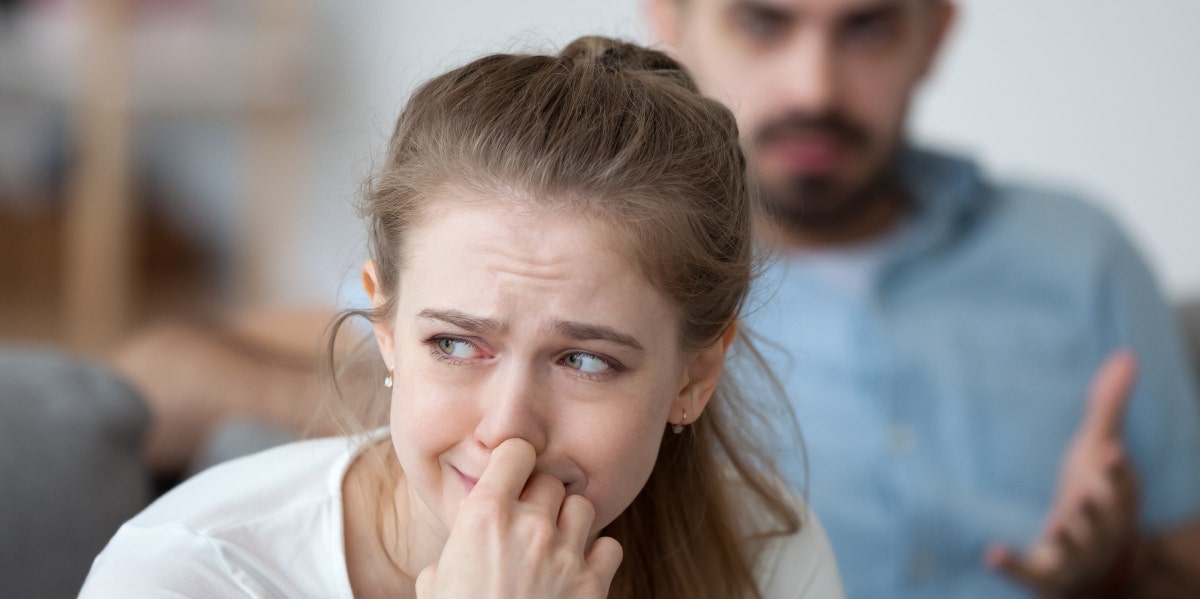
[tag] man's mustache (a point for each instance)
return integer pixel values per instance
(794, 124)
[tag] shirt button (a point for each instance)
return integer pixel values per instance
(923, 566)
(901, 438)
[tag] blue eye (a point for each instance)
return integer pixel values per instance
(457, 348)
(586, 363)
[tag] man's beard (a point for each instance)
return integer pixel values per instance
(823, 203)
(818, 204)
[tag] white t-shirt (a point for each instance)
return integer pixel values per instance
(270, 525)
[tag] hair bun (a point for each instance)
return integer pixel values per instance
(612, 57)
(615, 54)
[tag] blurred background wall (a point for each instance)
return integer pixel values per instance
(225, 143)
(1098, 96)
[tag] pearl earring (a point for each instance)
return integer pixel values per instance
(387, 380)
(678, 427)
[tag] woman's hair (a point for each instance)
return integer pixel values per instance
(622, 134)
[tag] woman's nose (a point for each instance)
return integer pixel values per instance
(512, 406)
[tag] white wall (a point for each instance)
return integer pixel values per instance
(385, 48)
(1100, 96)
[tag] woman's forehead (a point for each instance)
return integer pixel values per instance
(479, 246)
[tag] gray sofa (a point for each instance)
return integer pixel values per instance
(65, 493)
(1189, 319)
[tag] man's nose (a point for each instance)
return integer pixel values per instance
(512, 406)
(809, 74)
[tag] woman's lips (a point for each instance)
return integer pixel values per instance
(467, 481)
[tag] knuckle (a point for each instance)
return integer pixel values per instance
(540, 534)
(485, 511)
(546, 480)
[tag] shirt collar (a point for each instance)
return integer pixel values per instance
(944, 192)
(940, 185)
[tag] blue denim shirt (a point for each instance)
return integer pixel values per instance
(936, 402)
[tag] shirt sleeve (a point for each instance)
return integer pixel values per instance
(167, 561)
(801, 565)
(1162, 424)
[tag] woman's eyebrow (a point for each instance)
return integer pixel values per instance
(588, 332)
(462, 320)
(579, 331)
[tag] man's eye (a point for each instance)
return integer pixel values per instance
(870, 28)
(457, 348)
(760, 26)
(586, 362)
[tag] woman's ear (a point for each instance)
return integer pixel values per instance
(700, 378)
(383, 328)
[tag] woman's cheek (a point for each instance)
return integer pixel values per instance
(420, 404)
(619, 459)
(417, 404)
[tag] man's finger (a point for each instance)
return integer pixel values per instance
(1070, 543)
(1125, 489)
(1007, 562)
(508, 469)
(1110, 392)
(1103, 522)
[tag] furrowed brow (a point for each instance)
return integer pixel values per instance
(876, 8)
(462, 320)
(760, 7)
(591, 332)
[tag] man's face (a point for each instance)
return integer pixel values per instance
(820, 88)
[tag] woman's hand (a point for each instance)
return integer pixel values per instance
(518, 536)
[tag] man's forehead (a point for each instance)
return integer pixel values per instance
(800, 8)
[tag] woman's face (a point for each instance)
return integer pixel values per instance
(532, 325)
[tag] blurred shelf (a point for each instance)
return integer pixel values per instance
(109, 66)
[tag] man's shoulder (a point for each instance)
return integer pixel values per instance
(1053, 223)
(1057, 206)
(1025, 232)
(1035, 216)
(1019, 199)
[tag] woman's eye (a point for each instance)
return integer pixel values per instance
(586, 363)
(457, 348)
